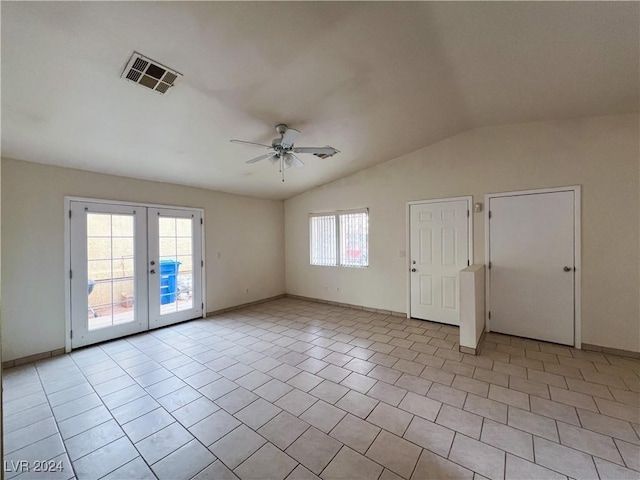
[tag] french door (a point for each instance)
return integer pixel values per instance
(175, 255)
(132, 268)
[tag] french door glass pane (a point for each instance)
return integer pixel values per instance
(110, 269)
(175, 236)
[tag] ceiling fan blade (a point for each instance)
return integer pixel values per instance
(257, 159)
(322, 152)
(289, 137)
(253, 144)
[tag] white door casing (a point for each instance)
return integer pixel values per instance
(439, 247)
(533, 260)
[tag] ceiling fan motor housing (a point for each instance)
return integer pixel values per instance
(284, 150)
(276, 143)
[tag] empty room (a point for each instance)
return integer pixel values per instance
(320, 240)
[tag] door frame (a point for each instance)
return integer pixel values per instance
(577, 253)
(67, 253)
(469, 200)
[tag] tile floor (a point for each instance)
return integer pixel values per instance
(294, 389)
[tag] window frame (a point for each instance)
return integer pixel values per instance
(337, 214)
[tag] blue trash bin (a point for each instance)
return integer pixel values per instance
(168, 281)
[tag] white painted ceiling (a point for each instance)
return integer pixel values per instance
(374, 80)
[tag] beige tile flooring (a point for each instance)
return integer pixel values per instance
(294, 389)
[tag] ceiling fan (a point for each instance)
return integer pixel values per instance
(283, 151)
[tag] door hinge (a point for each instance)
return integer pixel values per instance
(468, 263)
(489, 314)
(202, 307)
(202, 263)
(489, 265)
(71, 333)
(489, 213)
(70, 274)
(69, 213)
(467, 213)
(201, 222)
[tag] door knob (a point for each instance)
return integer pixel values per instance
(413, 270)
(152, 271)
(567, 269)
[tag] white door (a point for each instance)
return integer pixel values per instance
(132, 268)
(108, 271)
(439, 248)
(175, 263)
(531, 276)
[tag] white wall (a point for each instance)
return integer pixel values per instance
(1, 416)
(601, 154)
(248, 233)
(472, 305)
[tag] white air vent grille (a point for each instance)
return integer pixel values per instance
(150, 74)
(134, 75)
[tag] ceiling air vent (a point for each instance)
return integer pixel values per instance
(150, 74)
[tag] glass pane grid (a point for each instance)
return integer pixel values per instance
(176, 264)
(110, 270)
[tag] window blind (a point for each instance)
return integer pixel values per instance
(340, 238)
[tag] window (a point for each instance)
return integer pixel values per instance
(340, 238)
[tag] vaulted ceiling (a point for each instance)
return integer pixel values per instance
(374, 79)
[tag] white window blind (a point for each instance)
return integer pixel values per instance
(340, 238)
(323, 240)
